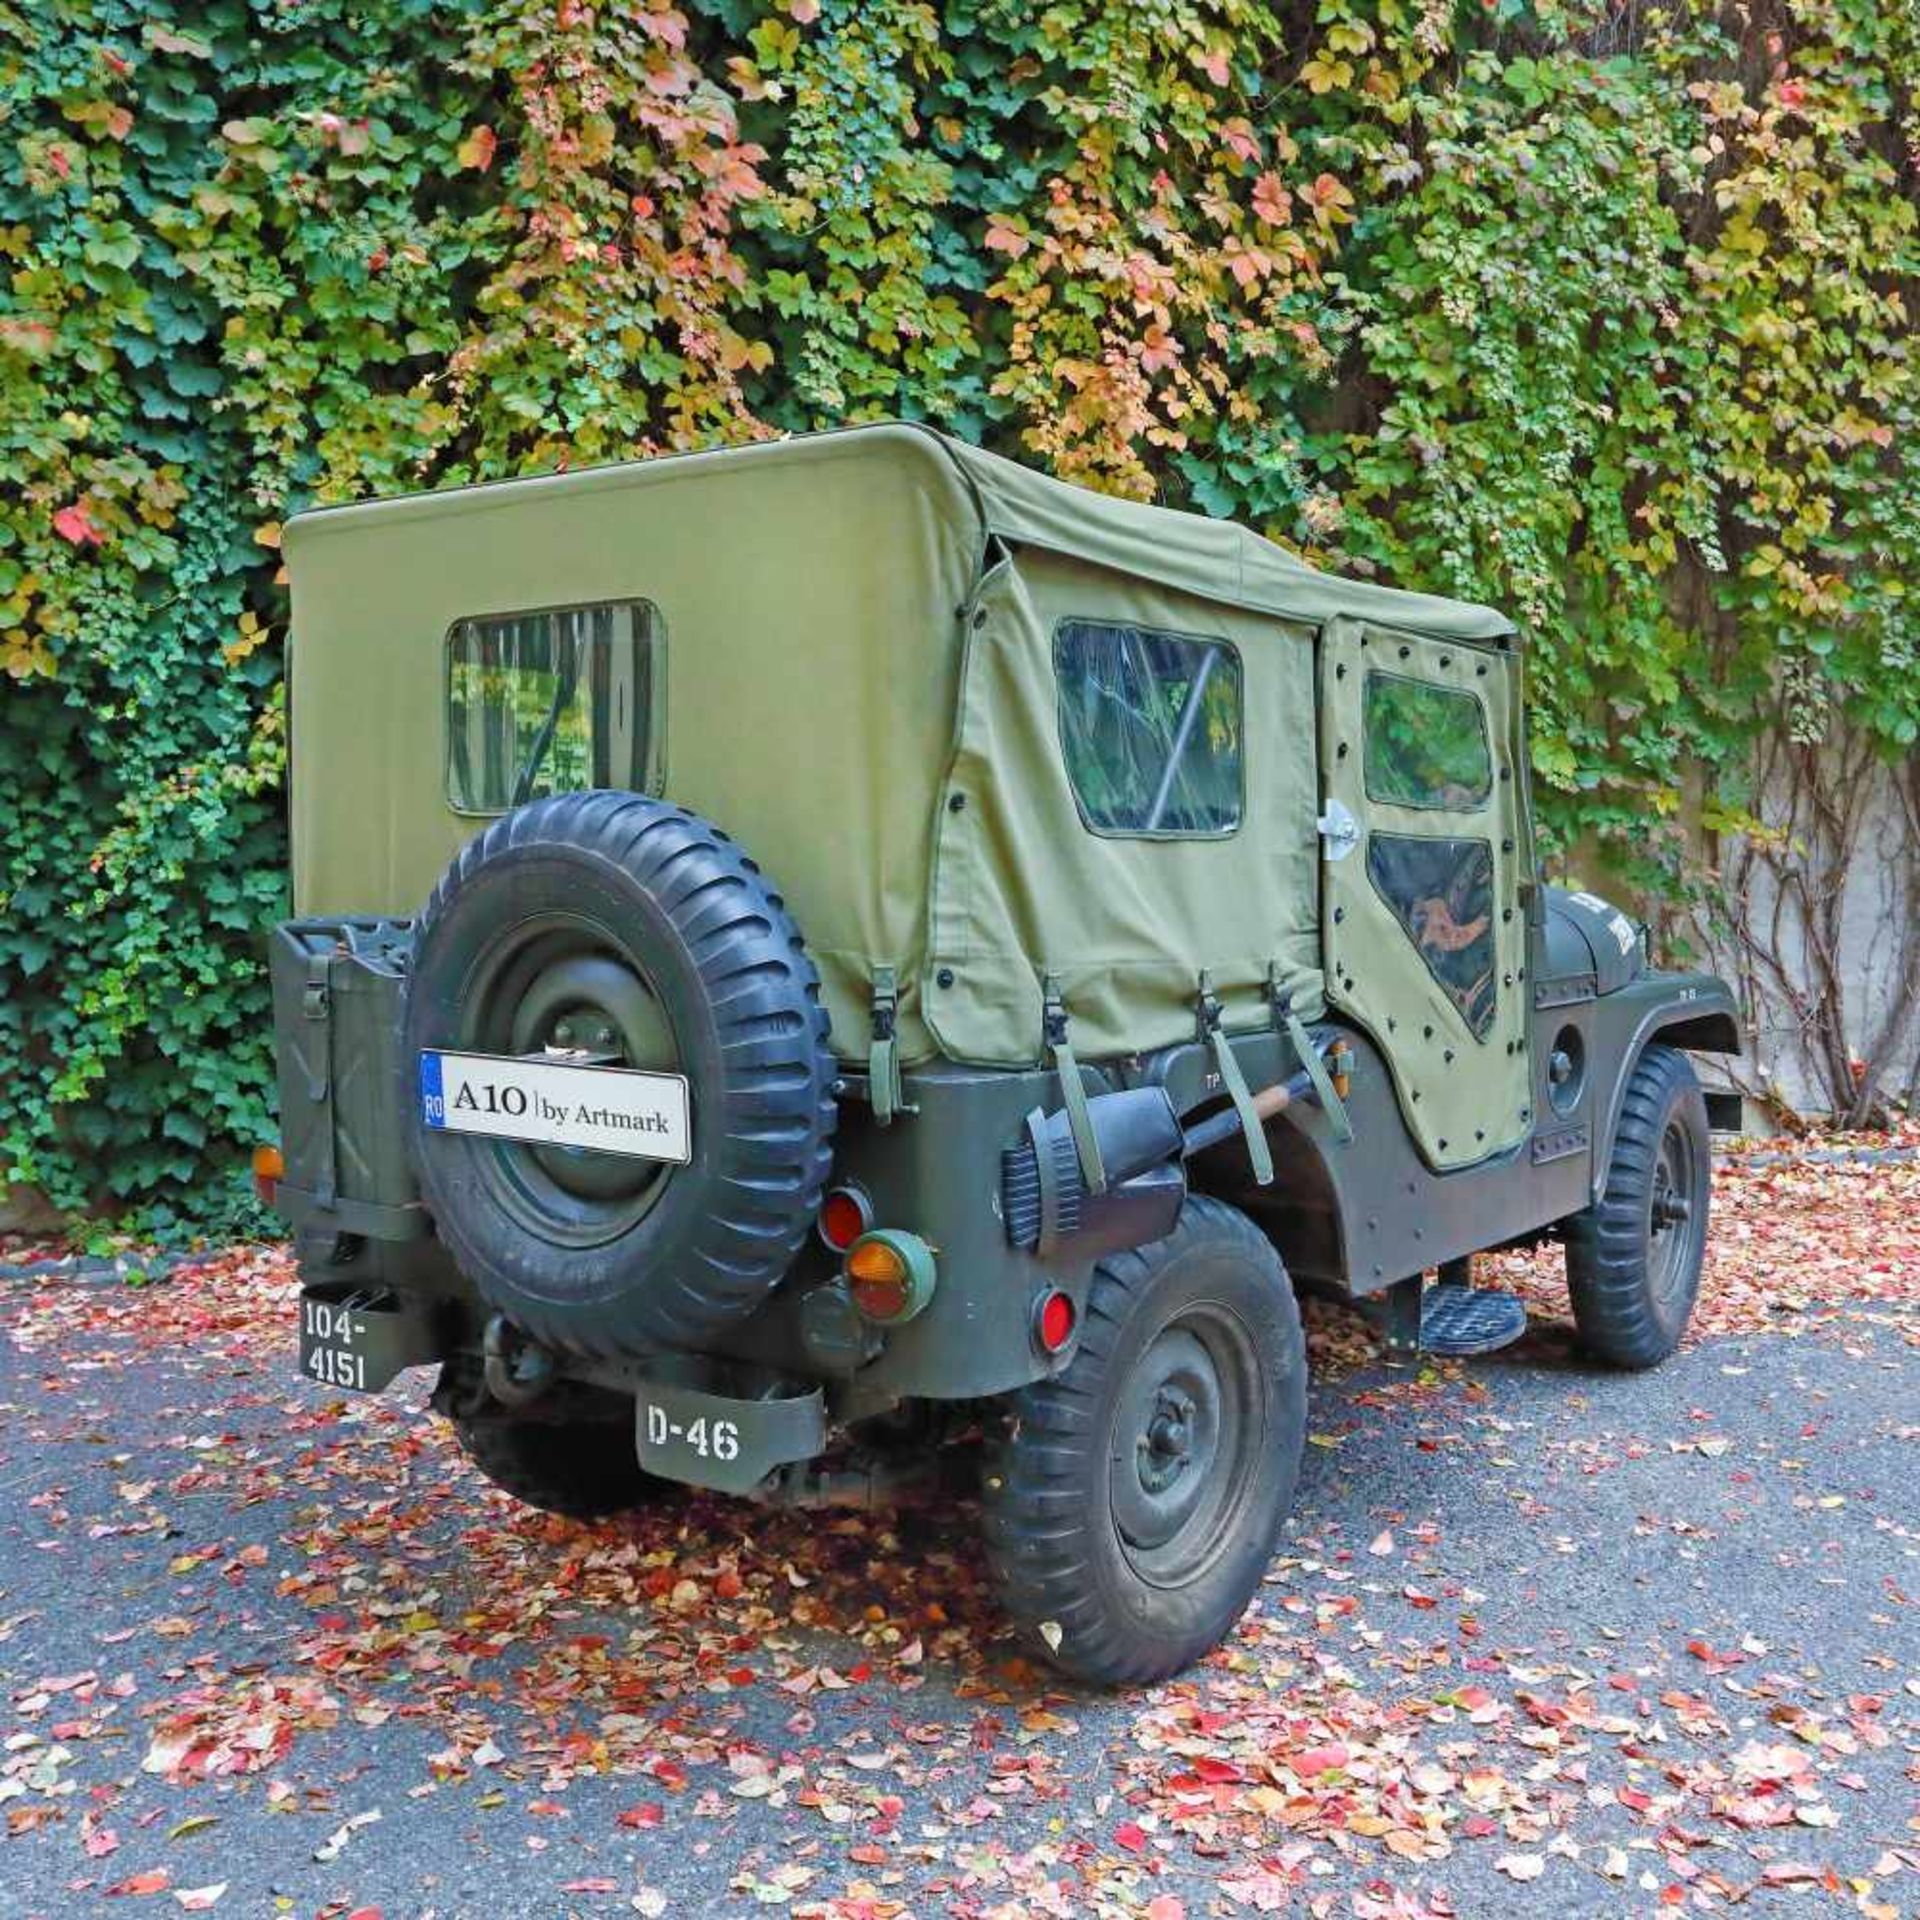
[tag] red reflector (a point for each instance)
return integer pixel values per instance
(1055, 1322)
(881, 1300)
(845, 1214)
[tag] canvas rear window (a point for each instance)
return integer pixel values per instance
(1426, 745)
(551, 702)
(1441, 891)
(1150, 725)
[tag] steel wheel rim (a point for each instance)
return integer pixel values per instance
(568, 974)
(1188, 1430)
(1673, 1222)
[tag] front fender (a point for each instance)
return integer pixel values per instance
(1693, 1011)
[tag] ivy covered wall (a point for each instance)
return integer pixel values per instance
(1602, 312)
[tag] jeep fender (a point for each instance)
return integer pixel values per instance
(1692, 1011)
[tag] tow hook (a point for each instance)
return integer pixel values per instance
(517, 1371)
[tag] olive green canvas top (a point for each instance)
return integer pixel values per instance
(859, 642)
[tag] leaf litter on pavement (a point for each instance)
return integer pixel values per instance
(825, 1707)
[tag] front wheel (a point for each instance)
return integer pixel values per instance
(1133, 1501)
(1634, 1258)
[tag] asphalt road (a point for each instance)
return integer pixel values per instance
(1582, 1642)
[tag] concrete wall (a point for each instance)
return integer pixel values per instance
(1874, 861)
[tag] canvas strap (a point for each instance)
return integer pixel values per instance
(1284, 1017)
(1073, 1092)
(1235, 1082)
(883, 1054)
(317, 1002)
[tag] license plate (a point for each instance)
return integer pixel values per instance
(332, 1345)
(556, 1104)
(360, 1340)
(700, 1438)
(714, 1440)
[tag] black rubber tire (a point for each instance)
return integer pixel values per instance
(587, 1472)
(1068, 1575)
(1633, 1287)
(662, 893)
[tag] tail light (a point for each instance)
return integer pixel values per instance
(269, 1168)
(845, 1214)
(890, 1276)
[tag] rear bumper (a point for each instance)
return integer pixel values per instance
(310, 1212)
(701, 1422)
(728, 1441)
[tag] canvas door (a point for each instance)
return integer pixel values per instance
(1424, 933)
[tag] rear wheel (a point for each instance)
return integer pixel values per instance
(585, 1470)
(1133, 1501)
(1634, 1257)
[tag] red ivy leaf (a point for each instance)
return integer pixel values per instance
(1271, 200)
(73, 523)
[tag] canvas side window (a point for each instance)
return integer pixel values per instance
(1442, 893)
(1150, 727)
(1426, 745)
(551, 702)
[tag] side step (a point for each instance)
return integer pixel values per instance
(1452, 1317)
(1463, 1320)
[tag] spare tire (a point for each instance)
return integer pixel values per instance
(638, 930)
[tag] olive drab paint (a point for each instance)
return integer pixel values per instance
(858, 628)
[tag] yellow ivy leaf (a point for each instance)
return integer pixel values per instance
(1324, 72)
(252, 634)
(477, 149)
(745, 79)
(103, 116)
(25, 655)
(775, 42)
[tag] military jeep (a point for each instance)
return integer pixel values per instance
(809, 952)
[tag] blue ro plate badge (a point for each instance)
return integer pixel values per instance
(556, 1103)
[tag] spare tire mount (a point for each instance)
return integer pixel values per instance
(565, 981)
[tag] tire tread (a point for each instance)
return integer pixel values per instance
(1606, 1245)
(776, 1106)
(1039, 1533)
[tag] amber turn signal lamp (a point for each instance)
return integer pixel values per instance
(890, 1276)
(1053, 1322)
(269, 1168)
